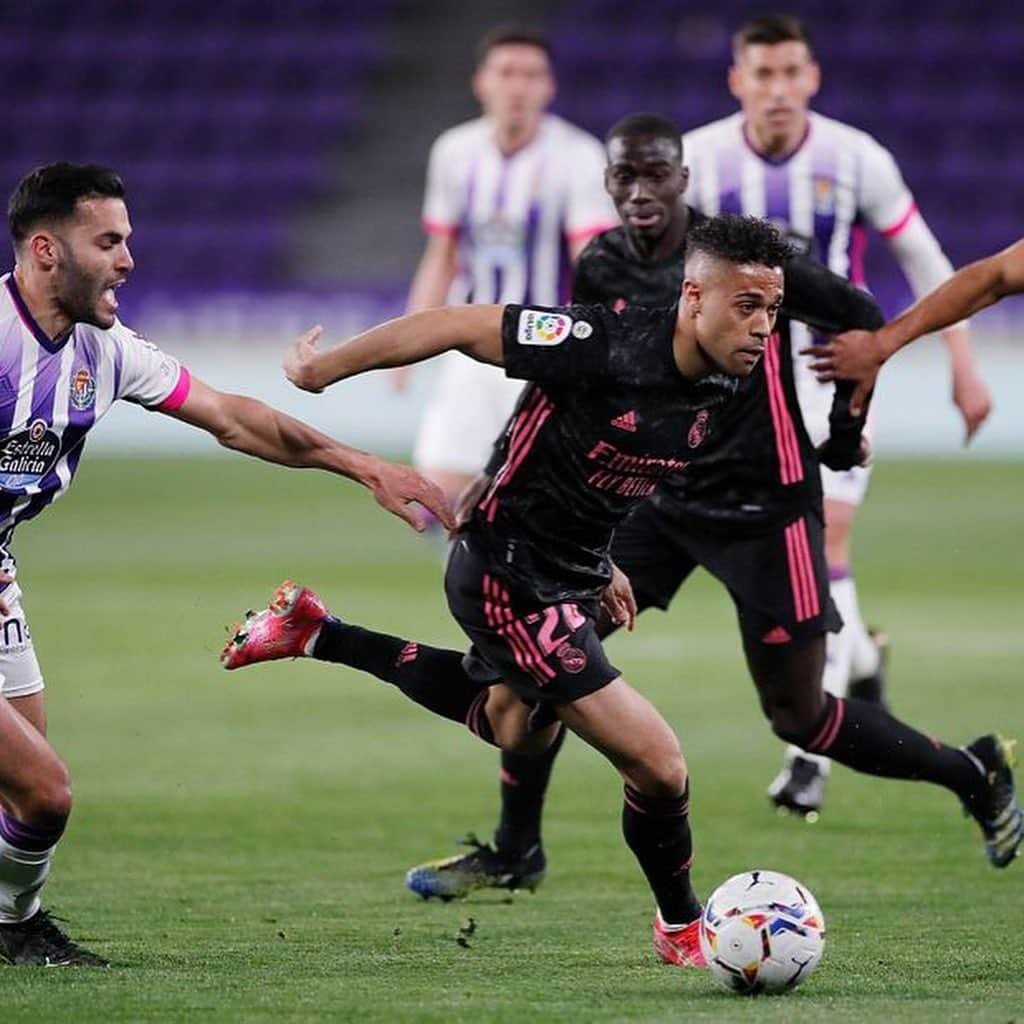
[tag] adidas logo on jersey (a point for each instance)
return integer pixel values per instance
(627, 421)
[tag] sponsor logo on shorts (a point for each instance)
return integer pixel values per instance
(83, 390)
(582, 330)
(698, 430)
(778, 635)
(538, 327)
(27, 456)
(572, 659)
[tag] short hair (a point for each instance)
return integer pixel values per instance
(51, 193)
(512, 35)
(739, 240)
(769, 29)
(647, 126)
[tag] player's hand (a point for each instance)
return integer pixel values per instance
(618, 601)
(836, 457)
(397, 488)
(300, 360)
(854, 355)
(5, 608)
(971, 396)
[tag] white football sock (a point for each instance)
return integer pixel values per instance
(22, 874)
(864, 656)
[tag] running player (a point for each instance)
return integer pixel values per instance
(617, 403)
(510, 197)
(859, 355)
(736, 513)
(824, 183)
(64, 359)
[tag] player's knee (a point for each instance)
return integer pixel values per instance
(48, 803)
(794, 722)
(662, 777)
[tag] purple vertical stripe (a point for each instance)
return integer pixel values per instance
(776, 193)
(530, 243)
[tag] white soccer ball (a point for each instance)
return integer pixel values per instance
(762, 931)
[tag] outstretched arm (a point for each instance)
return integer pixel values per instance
(252, 427)
(474, 330)
(860, 354)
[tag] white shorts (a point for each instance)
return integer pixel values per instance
(849, 485)
(469, 408)
(19, 669)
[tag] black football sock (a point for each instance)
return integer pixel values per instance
(524, 782)
(658, 833)
(431, 676)
(868, 739)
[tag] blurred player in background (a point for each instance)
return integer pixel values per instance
(65, 358)
(859, 355)
(511, 197)
(824, 183)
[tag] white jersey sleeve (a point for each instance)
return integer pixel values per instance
(885, 201)
(441, 202)
(147, 375)
(890, 208)
(589, 209)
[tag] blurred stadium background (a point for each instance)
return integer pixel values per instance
(274, 152)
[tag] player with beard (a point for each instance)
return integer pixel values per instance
(618, 403)
(65, 358)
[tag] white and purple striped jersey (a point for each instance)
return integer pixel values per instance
(825, 195)
(515, 216)
(52, 395)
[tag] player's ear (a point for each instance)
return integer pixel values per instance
(735, 84)
(684, 178)
(44, 250)
(813, 79)
(691, 298)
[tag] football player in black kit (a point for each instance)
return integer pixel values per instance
(618, 402)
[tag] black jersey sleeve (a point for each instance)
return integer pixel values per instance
(555, 343)
(830, 304)
(825, 301)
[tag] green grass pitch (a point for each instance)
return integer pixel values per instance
(239, 841)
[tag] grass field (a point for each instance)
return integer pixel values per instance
(239, 842)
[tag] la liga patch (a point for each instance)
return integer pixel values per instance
(540, 327)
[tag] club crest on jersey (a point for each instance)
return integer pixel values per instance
(83, 390)
(824, 196)
(539, 327)
(698, 430)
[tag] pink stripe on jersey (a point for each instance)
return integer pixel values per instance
(176, 399)
(436, 227)
(791, 469)
(898, 226)
(524, 433)
(858, 246)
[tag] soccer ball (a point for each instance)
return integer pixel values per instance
(762, 931)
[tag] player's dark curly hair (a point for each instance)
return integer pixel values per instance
(50, 194)
(742, 240)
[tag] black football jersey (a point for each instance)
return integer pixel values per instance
(608, 417)
(761, 467)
